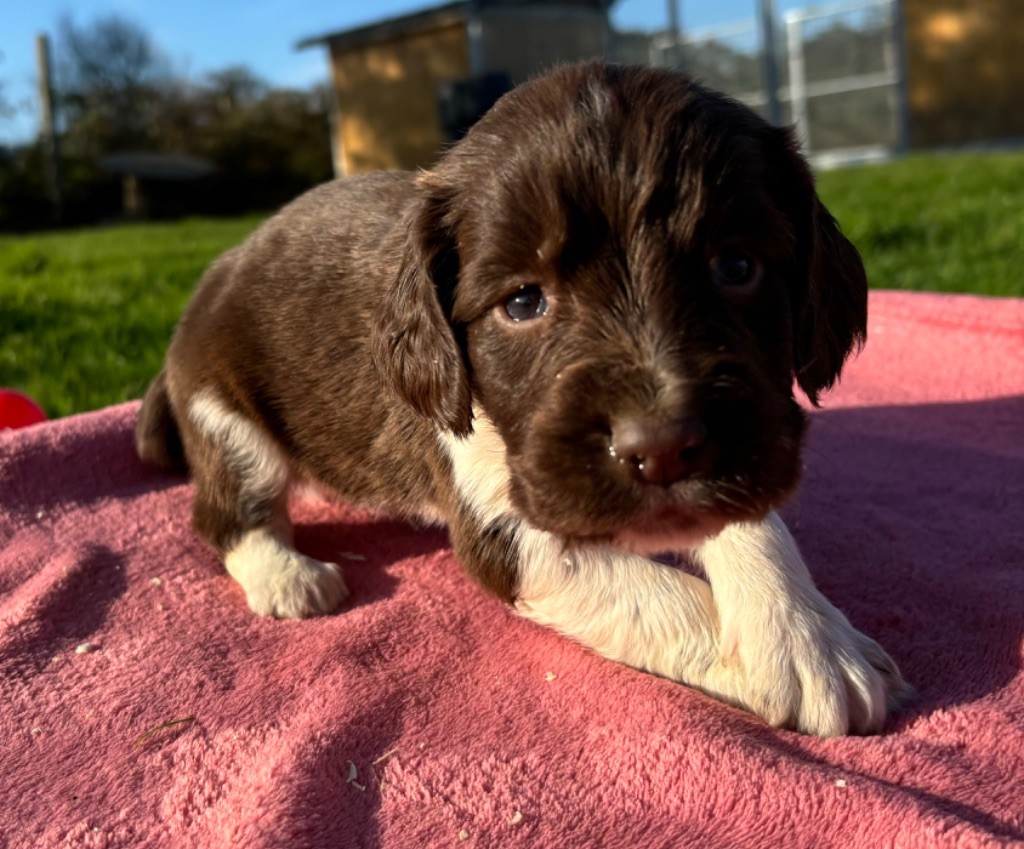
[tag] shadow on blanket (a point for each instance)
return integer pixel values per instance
(931, 500)
(909, 517)
(76, 591)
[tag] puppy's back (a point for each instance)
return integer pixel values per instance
(279, 329)
(296, 296)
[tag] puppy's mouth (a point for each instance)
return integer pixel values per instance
(671, 528)
(672, 521)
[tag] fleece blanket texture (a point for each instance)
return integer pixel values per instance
(427, 714)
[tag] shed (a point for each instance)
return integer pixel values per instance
(145, 178)
(407, 85)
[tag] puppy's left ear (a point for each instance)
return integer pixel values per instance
(414, 344)
(830, 306)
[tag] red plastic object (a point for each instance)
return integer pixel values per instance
(17, 410)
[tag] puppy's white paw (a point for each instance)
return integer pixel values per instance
(801, 665)
(299, 587)
(280, 582)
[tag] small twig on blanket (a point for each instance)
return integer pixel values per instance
(385, 756)
(145, 735)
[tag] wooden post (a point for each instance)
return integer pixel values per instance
(902, 93)
(797, 76)
(769, 59)
(134, 199)
(48, 129)
(675, 56)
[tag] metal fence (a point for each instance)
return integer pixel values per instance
(837, 70)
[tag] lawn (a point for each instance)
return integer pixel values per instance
(936, 223)
(85, 316)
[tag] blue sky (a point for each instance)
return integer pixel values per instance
(203, 35)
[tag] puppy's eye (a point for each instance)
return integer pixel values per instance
(735, 269)
(526, 304)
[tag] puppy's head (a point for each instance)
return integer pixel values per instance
(625, 272)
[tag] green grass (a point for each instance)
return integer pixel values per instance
(936, 223)
(85, 316)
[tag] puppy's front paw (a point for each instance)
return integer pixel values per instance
(803, 666)
(298, 588)
(280, 582)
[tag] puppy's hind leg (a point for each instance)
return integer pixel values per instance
(241, 480)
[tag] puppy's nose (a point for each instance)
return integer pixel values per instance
(659, 453)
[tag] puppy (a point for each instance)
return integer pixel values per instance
(574, 342)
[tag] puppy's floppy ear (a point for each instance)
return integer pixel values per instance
(830, 305)
(832, 320)
(414, 344)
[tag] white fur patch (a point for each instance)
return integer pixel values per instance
(280, 582)
(260, 465)
(480, 469)
(796, 658)
(623, 606)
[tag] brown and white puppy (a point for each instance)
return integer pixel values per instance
(574, 342)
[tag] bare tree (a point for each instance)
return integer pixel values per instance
(235, 87)
(110, 74)
(6, 110)
(5, 107)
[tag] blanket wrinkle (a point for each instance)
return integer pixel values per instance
(427, 714)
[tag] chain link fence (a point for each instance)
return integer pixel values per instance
(838, 72)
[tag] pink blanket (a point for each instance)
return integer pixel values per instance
(426, 714)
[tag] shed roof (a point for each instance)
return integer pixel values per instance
(435, 16)
(157, 166)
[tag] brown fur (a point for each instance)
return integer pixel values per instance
(364, 319)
